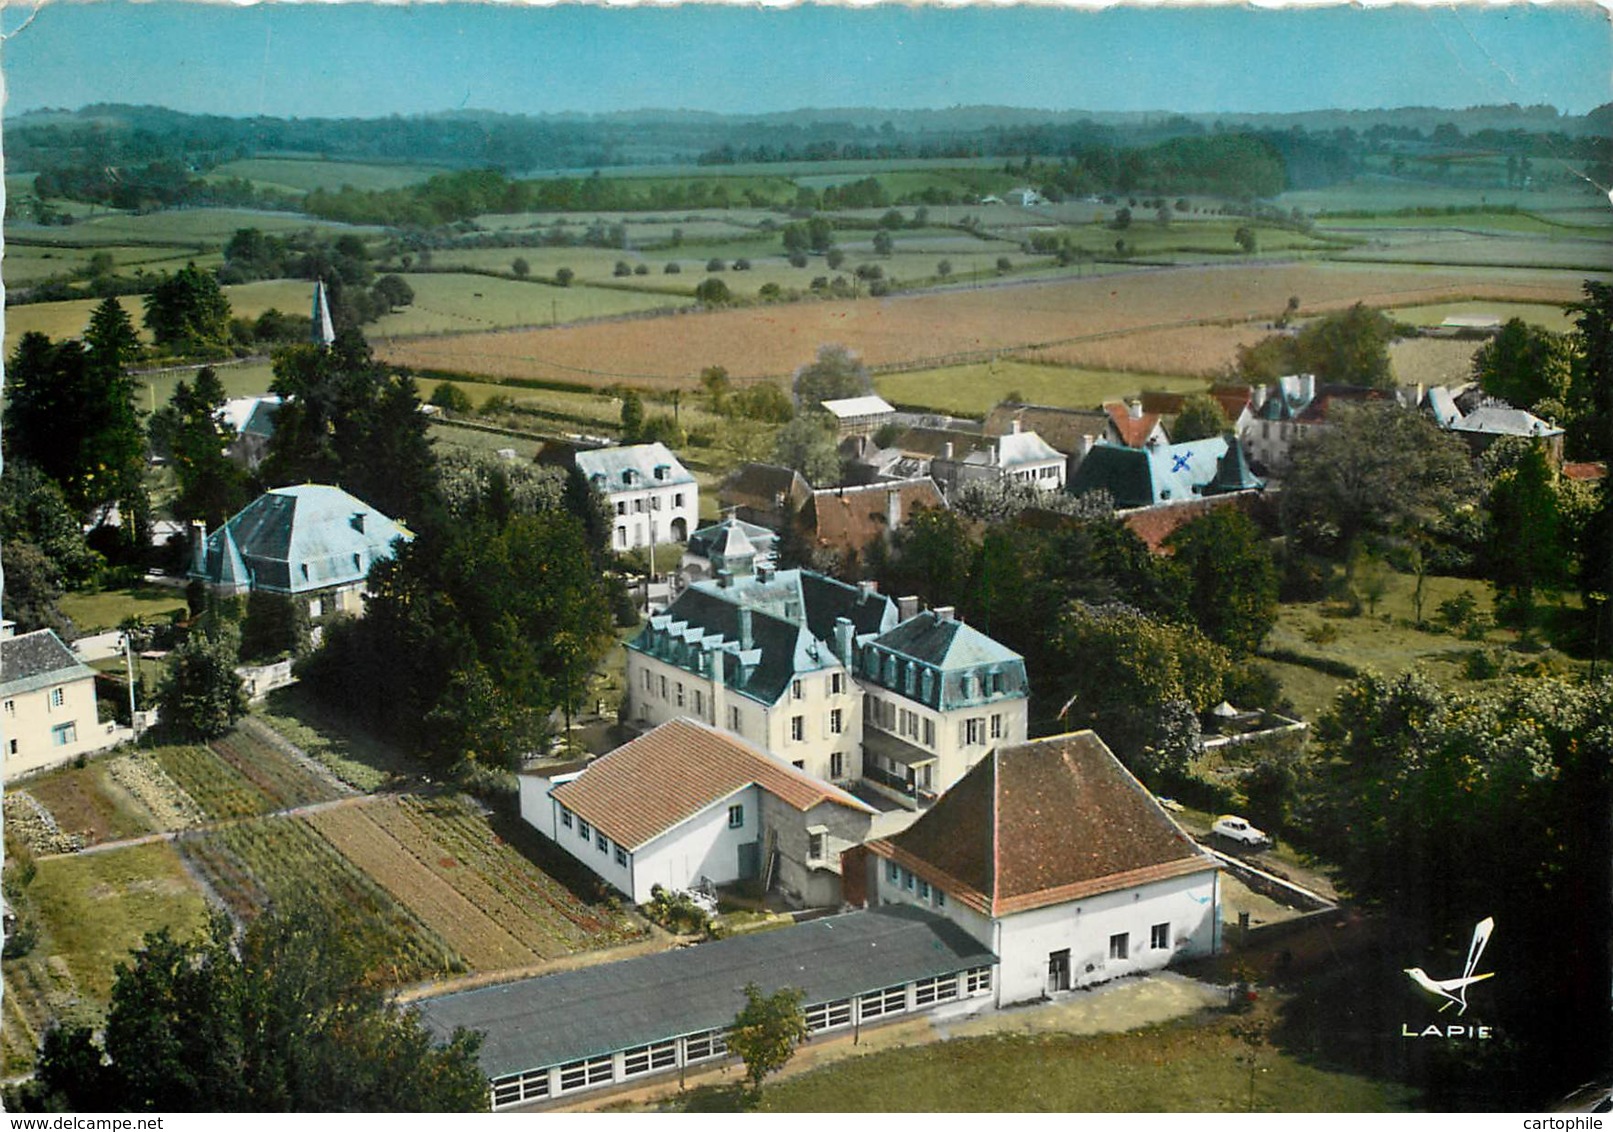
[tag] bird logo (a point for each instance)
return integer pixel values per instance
(1454, 991)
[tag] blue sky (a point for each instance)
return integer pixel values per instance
(361, 60)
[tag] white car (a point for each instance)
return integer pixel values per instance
(1234, 828)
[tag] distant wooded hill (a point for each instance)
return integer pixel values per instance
(109, 135)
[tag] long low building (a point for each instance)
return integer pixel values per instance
(560, 1034)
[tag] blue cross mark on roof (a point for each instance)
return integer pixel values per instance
(1179, 461)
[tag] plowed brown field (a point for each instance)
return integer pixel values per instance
(934, 328)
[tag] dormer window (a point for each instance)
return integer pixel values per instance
(661, 471)
(598, 480)
(627, 476)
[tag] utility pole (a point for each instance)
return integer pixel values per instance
(128, 665)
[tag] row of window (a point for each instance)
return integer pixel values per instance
(520, 1088)
(638, 507)
(837, 686)
(918, 680)
(569, 820)
(675, 693)
(908, 881)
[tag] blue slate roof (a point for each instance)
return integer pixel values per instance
(1143, 477)
(942, 663)
(554, 1019)
(633, 467)
(300, 539)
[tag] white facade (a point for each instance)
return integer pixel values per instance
(816, 726)
(1081, 942)
(653, 498)
(958, 738)
(707, 846)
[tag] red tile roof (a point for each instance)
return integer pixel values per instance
(1585, 471)
(644, 788)
(1133, 431)
(848, 519)
(1042, 823)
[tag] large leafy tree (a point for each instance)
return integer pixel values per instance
(1526, 366)
(1376, 471)
(1348, 348)
(836, 373)
(1201, 417)
(1447, 806)
(188, 313)
(212, 487)
(285, 1020)
(1528, 549)
(70, 411)
(1139, 682)
(350, 422)
(200, 695)
(1231, 579)
(807, 444)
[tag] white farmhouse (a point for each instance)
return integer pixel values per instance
(653, 498)
(687, 803)
(1054, 856)
(47, 703)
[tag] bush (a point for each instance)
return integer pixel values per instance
(622, 268)
(713, 292)
(715, 264)
(1480, 664)
(641, 269)
(450, 398)
(564, 276)
(798, 259)
(672, 268)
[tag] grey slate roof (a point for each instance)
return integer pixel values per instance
(641, 460)
(300, 539)
(37, 660)
(559, 1018)
(950, 662)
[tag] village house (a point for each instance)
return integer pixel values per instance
(252, 421)
(836, 680)
(313, 542)
(1236, 402)
(1017, 457)
(1074, 431)
(1131, 427)
(1292, 408)
(688, 804)
(1165, 474)
(1055, 857)
(843, 521)
(767, 495)
(47, 703)
(653, 499)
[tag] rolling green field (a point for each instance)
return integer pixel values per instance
(451, 303)
(972, 390)
(1540, 314)
(196, 227)
(68, 319)
(300, 175)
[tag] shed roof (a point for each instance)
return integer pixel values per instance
(849, 518)
(570, 1015)
(1042, 823)
(848, 407)
(1498, 420)
(38, 660)
(646, 787)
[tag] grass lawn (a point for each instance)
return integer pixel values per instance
(94, 612)
(97, 907)
(1190, 1066)
(1540, 314)
(357, 759)
(1389, 642)
(972, 390)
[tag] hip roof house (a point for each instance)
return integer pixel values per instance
(1053, 854)
(313, 541)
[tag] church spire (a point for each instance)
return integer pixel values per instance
(321, 332)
